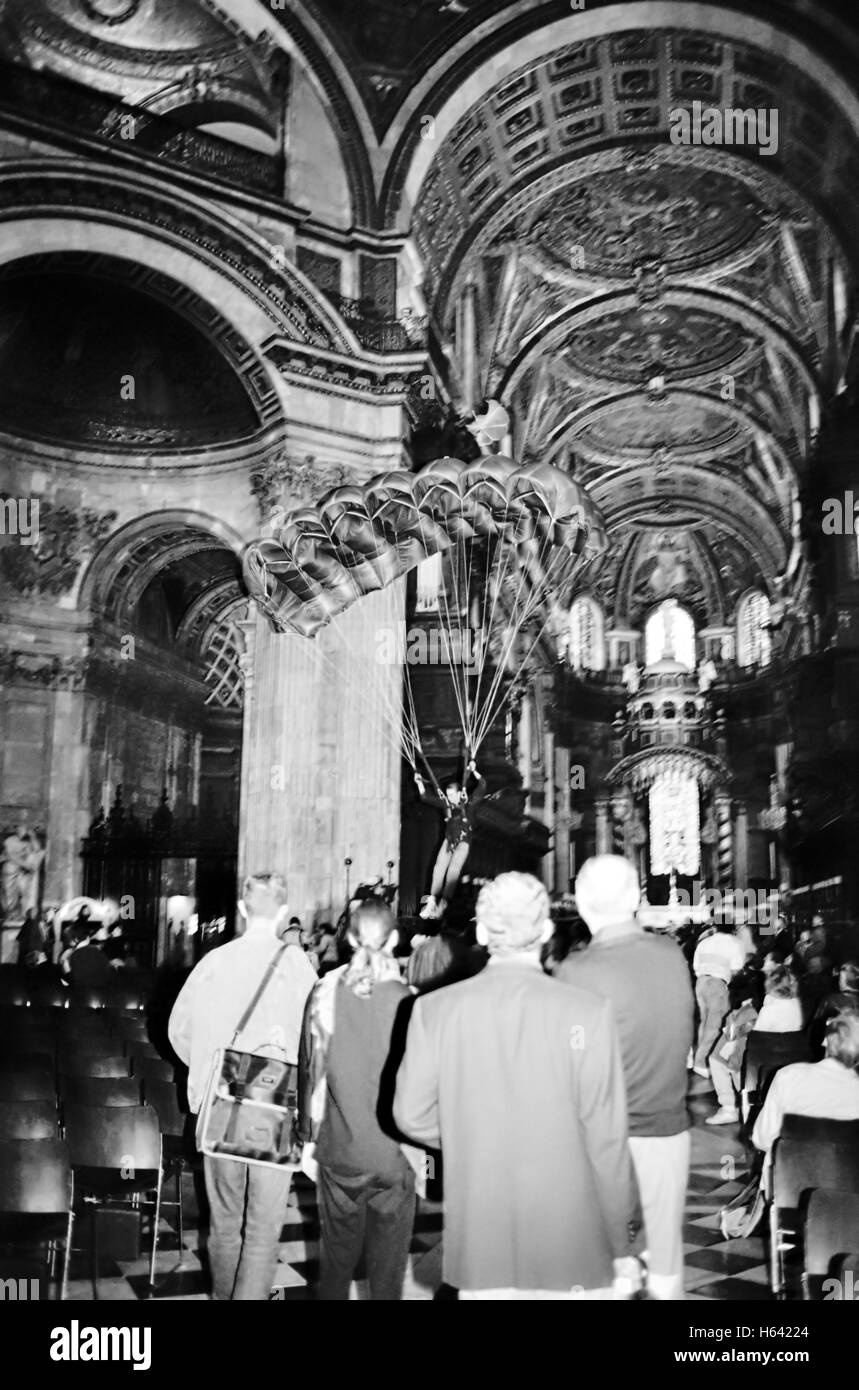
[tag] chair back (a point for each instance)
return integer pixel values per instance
(132, 1028)
(126, 995)
(825, 1160)
(87, 1064)
(28, 1083)
(99, 1090)
(28, 1119)
(88, 998)
(50, 994)
(14, 987)
(767, 1052)
(153, 1068)
(164, 1099)
(114, 1137)
(35, 1177)
(40, 1058)
(25, 1043)
(831, 1229)
(106, 1046)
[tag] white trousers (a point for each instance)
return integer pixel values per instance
(662, 1168)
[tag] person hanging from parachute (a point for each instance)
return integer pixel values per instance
(513, 542)
(459, 807)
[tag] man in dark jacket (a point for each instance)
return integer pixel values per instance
(518, 1080)
(646, 980)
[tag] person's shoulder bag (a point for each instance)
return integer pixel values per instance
(249, 1108)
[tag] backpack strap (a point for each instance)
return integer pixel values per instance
(258, 994)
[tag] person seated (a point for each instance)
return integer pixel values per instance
(826, 1090)
(32, 942)
(781, 1012)
(85, 965)
(325, 947)
(844, 1000)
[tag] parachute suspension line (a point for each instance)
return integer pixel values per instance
(561, 559)
(539, 595)
(400, 734)
(449, 653)
(516, 620)
(498, 581)
(407, 686)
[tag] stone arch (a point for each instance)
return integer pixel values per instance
(130, 558)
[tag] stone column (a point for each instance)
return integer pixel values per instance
(68, 820)
(562, 820)
(549, 805)
(741, 845)
(603, 826)
(320, 766)
(724, 841)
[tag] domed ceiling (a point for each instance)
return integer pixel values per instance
(87, 361)
(661, 319)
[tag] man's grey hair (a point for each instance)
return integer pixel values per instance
(513, 910)
(607, 890)
(272, 884)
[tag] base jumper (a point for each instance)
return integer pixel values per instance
(458, 807)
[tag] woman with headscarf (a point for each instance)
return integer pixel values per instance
(365, 1182)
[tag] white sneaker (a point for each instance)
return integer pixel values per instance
(723, 1116)
(429, 911)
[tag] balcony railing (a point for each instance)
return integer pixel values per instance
(57, 101)
(376, 332)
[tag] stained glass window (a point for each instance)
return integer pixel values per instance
(670, 632)
(754, 646)
(429, 584)
(586, 649)
(675, 826)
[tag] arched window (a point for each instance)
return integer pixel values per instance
(670, 632)
(587, 646)
(429, 584)
(753, 639)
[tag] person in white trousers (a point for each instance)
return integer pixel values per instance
(646, 980)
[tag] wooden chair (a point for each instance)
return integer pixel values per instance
(28, 1119)
(116, 1156)
(830, 1233)
(37, 1197)
(809, 1153)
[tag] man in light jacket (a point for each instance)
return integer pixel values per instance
(203, 1019)
(518, 1080)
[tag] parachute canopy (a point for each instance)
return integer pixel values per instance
(534, 522)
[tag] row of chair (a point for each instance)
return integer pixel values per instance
(92, 1153)
(22, 988)
(811, 1155)
(90, 1116)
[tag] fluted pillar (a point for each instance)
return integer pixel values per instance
(320, 767)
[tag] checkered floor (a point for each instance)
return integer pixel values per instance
(715, 1268)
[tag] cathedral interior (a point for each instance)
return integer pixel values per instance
(257, 255)
(251, 253)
